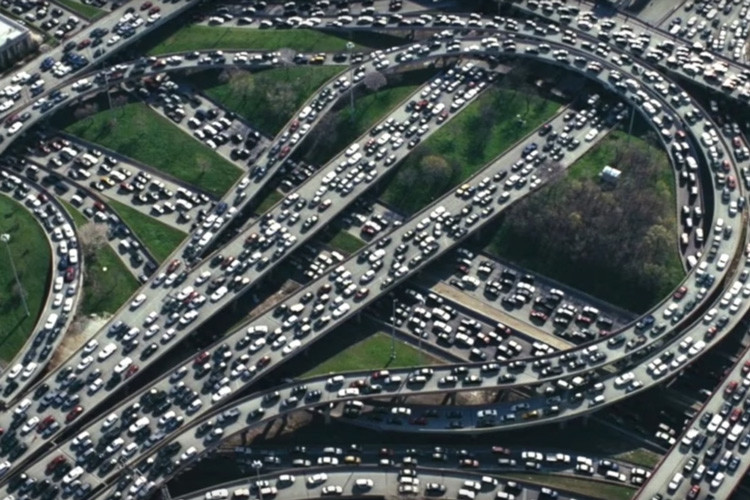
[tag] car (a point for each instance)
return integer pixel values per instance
(138, 301)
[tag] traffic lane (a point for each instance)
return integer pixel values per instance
(543, 287)
(135, 318)
(470, 458)
(45, 209)
(721, 28)
(399, 228)
(277, 324)
(658, 36)
(108, 22)
(677, 457)
(202, 108)
(129, 170)
(385, 482)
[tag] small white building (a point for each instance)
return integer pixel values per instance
(15, 41)
(610, 175)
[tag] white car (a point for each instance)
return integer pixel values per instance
(96, 385)
(219, 294)
(85, 362)
(317, 479)
(138, 301)
(90, 347)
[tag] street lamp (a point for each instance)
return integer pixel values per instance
(6, 239)
(393, 329)
(350, 48)
(257, 465)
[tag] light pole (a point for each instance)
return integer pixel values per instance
(350, 48)
(258, 465)
(393, 329)
(6, 239)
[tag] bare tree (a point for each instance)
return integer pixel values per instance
(374, 81)
(92, 237)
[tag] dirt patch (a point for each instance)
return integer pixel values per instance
(79, 332)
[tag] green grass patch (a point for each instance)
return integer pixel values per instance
(159, 238)
(108, 282)
(272, 199)
(85, 11)
(136, 131)
(480, 132)
(640, 456)
(342, 127)
(344, 242)
(199, 37)
(31, 255)
(577, 213)
(78, 218)
(373, 353)
(266, 99)
(593, 489)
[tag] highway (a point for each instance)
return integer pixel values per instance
(724, 244)
(400, 229)
(65, 286)
(137, 316)
(382, 482)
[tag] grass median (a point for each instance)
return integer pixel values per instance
(200, 37)
(87, 12)
(266, 99)
(373, 353)
(138, 132)
(31, 256)
(108, 282)
(480, 132)
(159, 238)
(343, 241)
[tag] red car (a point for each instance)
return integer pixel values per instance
(680, 293)
(730, 388)
(746, 367)
(46, 422)
(55, 463)
(73, 414)
(263, 361)
(174, 265)
(202, 358)
(132, 369)
(70, 274)
(146, 5)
